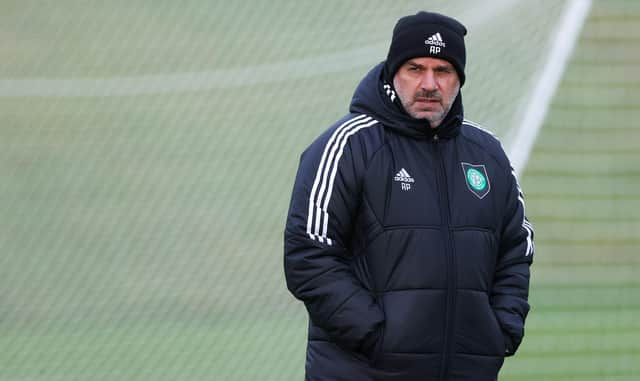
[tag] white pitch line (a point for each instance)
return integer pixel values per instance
(222, 78)
(565, 37)
(193, 81)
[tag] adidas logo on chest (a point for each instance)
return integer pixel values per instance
(404, 178)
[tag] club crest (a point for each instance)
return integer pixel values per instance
(476, 179)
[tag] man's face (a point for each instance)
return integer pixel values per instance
(427, 88)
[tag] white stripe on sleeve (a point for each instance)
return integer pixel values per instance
(320, 195)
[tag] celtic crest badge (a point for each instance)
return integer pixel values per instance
(476, 178)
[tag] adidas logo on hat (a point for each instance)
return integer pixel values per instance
(436, 40)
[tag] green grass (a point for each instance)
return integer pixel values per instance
(157, 349)
(141, 234)
(582, 186)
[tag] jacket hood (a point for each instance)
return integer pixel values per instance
(373, 97)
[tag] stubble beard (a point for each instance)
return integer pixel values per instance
(433, 117)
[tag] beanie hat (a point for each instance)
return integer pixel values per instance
(427, 34)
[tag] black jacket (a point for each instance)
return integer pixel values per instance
(408, 245)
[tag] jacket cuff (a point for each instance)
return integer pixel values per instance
(510, 345)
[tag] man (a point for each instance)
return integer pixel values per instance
(406, 237)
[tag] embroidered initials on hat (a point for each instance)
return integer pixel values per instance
(436, 43)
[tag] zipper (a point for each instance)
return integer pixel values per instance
(443, 195)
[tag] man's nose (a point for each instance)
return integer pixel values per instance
(429, 81)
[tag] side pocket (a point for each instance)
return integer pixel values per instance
(360, 266)
(377, 350)
(506, 340)
(503, 338)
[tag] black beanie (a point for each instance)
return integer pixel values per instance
(427, 34)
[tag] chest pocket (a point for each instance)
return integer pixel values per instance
(473, 187)
(406, 186)
(413, 199)
(403, 189)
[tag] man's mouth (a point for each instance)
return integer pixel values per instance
(427, 100)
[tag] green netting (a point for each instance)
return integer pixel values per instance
(148, 148)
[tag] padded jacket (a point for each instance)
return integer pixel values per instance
(408, 245)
